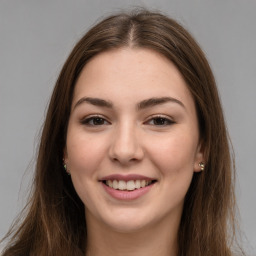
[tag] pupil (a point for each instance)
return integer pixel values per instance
(98, 121)
(159, 121)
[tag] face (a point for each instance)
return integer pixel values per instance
(132, 140)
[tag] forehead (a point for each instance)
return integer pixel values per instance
(126, 74)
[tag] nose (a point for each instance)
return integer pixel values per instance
(126, 147)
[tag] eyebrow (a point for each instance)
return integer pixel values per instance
(158, 101)
(95, 102)
(141, 105)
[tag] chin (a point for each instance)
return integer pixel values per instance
(126, 222)
(127, 226)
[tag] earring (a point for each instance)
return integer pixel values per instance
(202, 166)
(65, 167)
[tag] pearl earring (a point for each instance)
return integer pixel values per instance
(65, 167)
(202, 166)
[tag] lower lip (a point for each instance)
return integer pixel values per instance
(127, 195)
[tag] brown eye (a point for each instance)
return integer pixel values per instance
(160, 121)
(95, 121)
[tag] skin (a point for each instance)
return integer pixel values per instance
(159, 141)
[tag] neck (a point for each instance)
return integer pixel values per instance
(159, 240)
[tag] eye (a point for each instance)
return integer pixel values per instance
(95, 121)
(160, 121)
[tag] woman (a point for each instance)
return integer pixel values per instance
(134, 156)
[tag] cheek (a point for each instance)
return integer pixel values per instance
(174, 153)
(84, 153)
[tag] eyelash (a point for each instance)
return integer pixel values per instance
(164, 121)
(87, 120)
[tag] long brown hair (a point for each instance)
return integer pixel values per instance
(54, 222)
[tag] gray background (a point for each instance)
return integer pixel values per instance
(37, 36)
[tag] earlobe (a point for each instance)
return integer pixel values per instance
(65, 161)
(202, 165)
(65, 156)
(199, 164)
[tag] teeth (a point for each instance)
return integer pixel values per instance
(122, 185)
(110, 183)
(137, 184)
(115, 184)
(129, 185)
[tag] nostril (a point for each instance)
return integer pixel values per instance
(133, 159)
(124, 160)
(115, 159)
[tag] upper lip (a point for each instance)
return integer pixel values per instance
(125, 177)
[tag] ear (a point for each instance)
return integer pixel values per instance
(65, 160)
(199, 158)
(65, 155)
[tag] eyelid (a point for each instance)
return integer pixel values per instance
(168, 118)
(86, 119)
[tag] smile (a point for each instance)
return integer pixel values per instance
(129, 185)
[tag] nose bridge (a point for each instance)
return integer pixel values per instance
(126, 144)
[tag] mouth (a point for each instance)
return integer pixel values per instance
(128, 185)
